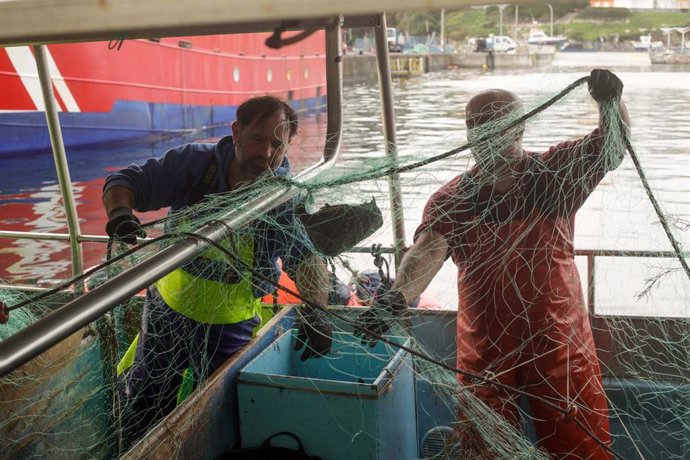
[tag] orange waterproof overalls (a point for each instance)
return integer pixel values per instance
(521, 314)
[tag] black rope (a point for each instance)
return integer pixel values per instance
(377, 174)
(277, 41)
(116, 44)
(379, 262)
(655, 204)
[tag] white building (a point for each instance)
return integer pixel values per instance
(642, 4)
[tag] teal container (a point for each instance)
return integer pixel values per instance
(357, 403)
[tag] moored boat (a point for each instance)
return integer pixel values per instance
(669, 55)
(646, 44)
(539, 37)
(150, 88)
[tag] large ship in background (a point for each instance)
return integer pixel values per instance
(151, 88)
(121, 102)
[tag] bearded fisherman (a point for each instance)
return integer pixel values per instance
(199, 315)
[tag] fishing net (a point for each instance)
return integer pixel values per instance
(74, 402)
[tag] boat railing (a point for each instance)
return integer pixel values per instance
(68, 319)
(61, 323)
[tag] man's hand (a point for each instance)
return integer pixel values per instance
(376, 319)
(124, 226)
(314, 332)
(4, 312)
(604, 86)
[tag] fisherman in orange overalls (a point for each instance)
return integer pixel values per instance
(508, 224)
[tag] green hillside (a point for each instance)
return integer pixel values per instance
(576, 20)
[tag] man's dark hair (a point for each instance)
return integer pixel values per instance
(261, 107)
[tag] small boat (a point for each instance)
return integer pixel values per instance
(149, 88)
(539, 37)
(669, 55)
(646, 43)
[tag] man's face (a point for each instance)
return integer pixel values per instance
(486, 116)
(497, 150)
(261, 146)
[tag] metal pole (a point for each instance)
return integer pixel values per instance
(63, 322)
(50, 236)
(500, 17)
(334, 85)
(388, 115)
(60, 158)
(515, 35)
(551, 14)
(443, 30)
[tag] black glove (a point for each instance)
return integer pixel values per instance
(124, 226)
(376, 318)
(604, 86)
(4, 313)
(314, 331)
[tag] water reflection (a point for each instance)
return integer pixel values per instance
(430, 120)
(618, 216)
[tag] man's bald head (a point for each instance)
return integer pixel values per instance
(490, 105)
(486, 115)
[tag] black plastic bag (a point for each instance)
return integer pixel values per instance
(336, 229)
(268, 452)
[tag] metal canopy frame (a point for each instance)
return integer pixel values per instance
(68, 319)
(40, 336)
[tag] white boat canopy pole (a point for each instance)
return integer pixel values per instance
(61, 166)
(391, 144)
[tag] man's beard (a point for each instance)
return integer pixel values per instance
(253, 170)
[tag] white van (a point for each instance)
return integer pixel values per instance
(501, 44)
(395, 39)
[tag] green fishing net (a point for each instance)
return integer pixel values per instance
(70, 403)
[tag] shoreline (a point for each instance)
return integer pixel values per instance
(601, 58)
(362, 67)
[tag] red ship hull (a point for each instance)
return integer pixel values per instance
(109, 92)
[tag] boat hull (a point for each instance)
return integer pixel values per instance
(648, 413)
(151, 88)
(670, 56)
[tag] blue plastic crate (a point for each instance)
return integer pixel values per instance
(357, 403)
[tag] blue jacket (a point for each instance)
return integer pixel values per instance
(169, 181)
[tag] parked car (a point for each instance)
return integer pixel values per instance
(501, 44)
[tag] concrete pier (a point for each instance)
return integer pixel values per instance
(502, 60)
(362, 67)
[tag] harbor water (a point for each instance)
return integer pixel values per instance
(430, 120)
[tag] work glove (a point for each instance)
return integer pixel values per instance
(376, 319)
(604, 86)
(314, 332)
(124, 226)
(4, 312)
